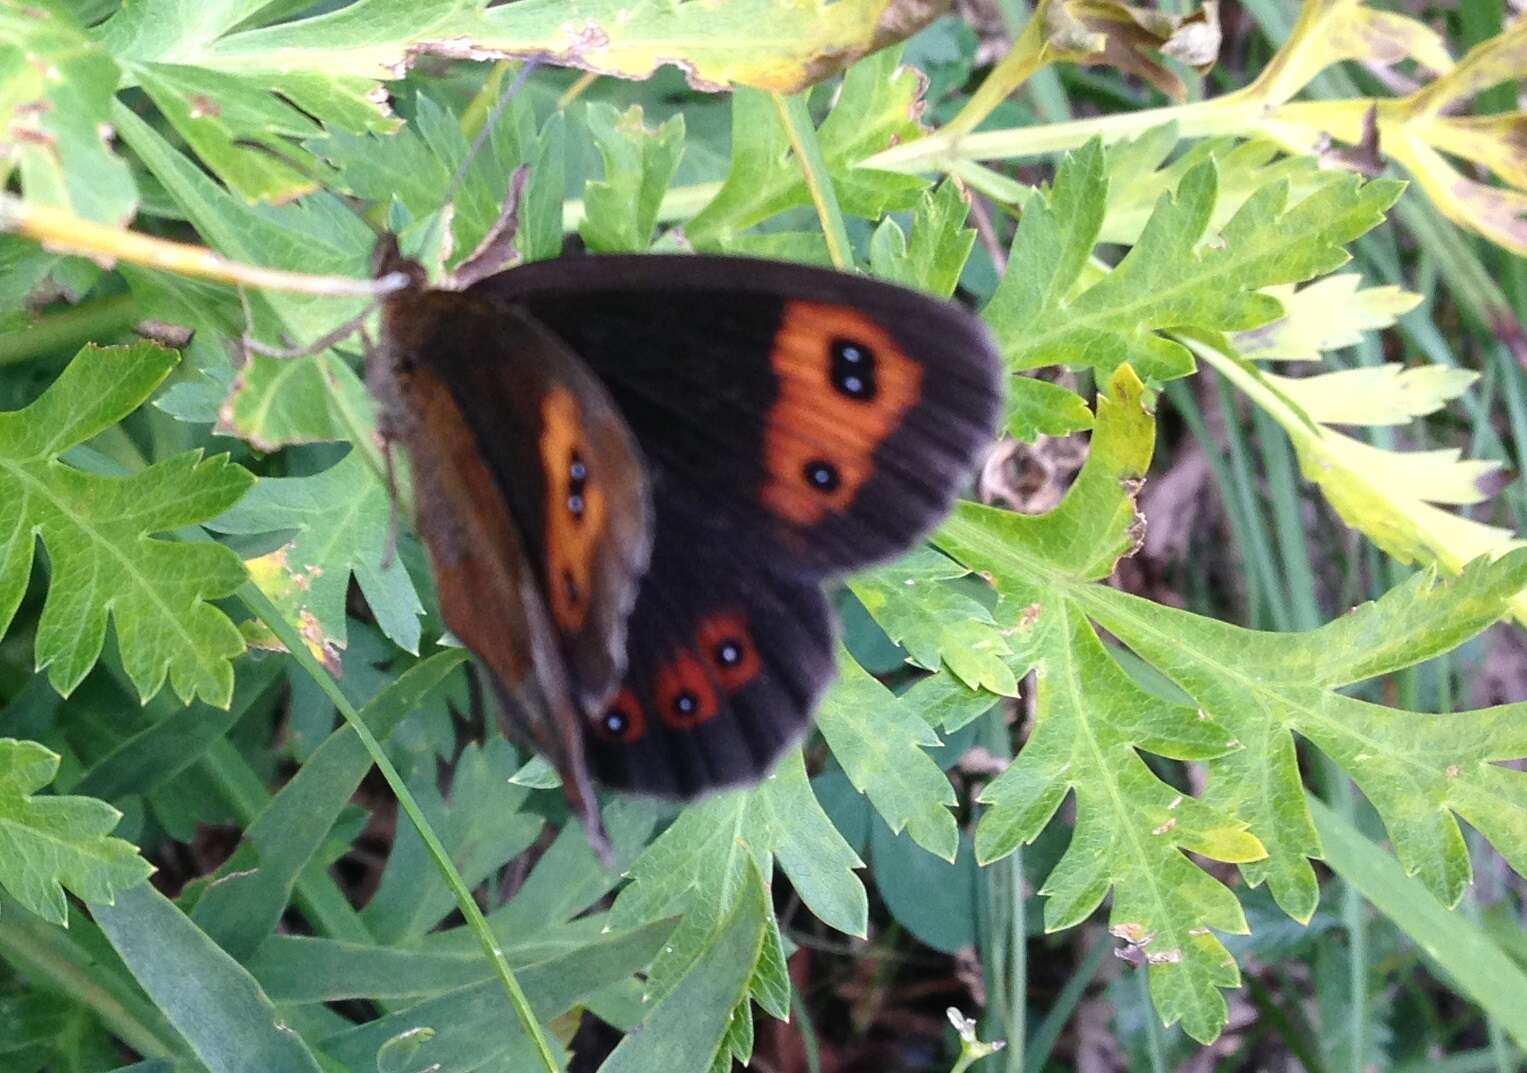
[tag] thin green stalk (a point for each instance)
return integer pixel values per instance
(1005, 927)
(803, 139)
(1187, 407)
(1263, 567)
(58, 332)
(808, 1032)
(1037, 1051)
(267, 612)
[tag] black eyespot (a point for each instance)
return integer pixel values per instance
(728, 653)
(575, 505)
(615, 722)
(853, 369)
(822, 475)
(686, 703)
(570, 586)
(577, 478)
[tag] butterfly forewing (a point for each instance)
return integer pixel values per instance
(830, 417)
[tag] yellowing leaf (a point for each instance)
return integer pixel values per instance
(1329, 314)
(1330, 31)
(1390, 496)
(766, 44)
(1388, 394)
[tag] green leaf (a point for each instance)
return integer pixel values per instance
(341, 517)
(55, 88)
(1476, 964)
(482, 826)
(230, 1023)
(876, 108)
(48, 844)
(700, 864)
(474, 1028)
(1181, 273)
(1251, 692)
(98, 531)
(933, 259)
(1038, 408)
(1091, 724)
(622, 208)
(251, 889)
(936, 622)
(234, 124)
(687, 1027)
(879, 740)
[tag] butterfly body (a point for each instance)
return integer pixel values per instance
(633, 475)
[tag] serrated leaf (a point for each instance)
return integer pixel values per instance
(1391, 394)
(235, 126)
(481, 824)
(1178, 275)
(879, 741)
(1038, 408)
(341, 517)
(935, 622)
(700, 864)
(1251, 693)
(1329, 314)
(621, 209)
(687, 1027)
(934, 257)
(877, 106)
(99, 531)
(1391, 496)
(48, 844)
(1092, 721)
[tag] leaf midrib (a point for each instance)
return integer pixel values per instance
(1076, 694)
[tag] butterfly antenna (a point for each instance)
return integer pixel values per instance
(478, 143)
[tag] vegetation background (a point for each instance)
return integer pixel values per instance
(1261, 381)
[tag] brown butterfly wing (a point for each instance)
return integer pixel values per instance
(532, 500)
(797, 423)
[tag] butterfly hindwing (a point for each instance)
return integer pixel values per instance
(726, 662)
(834, 415)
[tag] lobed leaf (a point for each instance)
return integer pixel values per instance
(1177, 275)
(50, 843)
(1251, 692)
(340, 518)
(104, 559)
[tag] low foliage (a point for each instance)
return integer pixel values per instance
(1146, 263)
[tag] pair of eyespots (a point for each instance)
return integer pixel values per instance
(851, 372)
(688, 690)
(577, 482)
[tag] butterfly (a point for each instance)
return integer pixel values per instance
(634, 474)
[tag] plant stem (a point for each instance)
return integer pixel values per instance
(803, 139)
(267, 612)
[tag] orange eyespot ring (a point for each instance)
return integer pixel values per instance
(624, 721)
(728, 648)
(684, 695)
